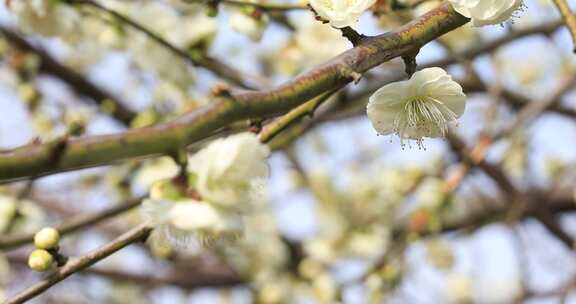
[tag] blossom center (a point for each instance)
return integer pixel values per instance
(422, 116)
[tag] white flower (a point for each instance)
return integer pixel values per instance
(46, 18)
(30, 217)
(422, 106)
(459, 288)
(182, 31)
(432, 193)
(459, 39)
(179, 29)
(155, 170)
(249, 26)
(486, 12)
(228, 170)
(313, 43)
(341, 13)
(368, 244)
(188, 222)
(8, 210)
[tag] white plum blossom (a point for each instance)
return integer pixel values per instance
(486, 12)
(44, 17)
(223, 180)
(422, 106)
(153, 171)
(313, 43)
(188, 223)
(251, 27)
(459, 39)
(182, 31)
(30, 217)
(341, 13)
(229, 170)
(459, 288)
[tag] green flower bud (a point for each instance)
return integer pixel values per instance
(47, 238)
(40, 260)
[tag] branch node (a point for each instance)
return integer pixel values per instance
(59, 258)
(410, 62)
(180, 157)
(256, 126)
(353, 36)
(58, 148)
(352, 75)
(221, 90)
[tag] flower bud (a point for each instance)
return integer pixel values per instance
(46, 238)
(40, 260)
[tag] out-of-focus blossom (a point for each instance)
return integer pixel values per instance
(45, 17)
(486, 12)
(252, 27)
(341, 13)
(229, 170)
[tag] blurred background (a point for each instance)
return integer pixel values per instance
(482, 216)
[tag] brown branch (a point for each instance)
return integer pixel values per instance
(518, 202)
(183, 279)
(33, 160)
(354, 104)
(495, 211)
(569, 19)
(80, 263)
(81, 85)
(543, 29)
(550, 223)
(76, 223)
(534, 108)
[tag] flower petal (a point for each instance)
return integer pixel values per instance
(192, 215)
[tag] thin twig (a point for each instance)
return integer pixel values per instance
(569, 19)
(265, 6)
(79, 263)
(280, 124)
(180, 277)
(81, 85)
(211, 64)
(76, 223)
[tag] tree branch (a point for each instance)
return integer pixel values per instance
(216, 67)
(77, 82)
(181, 277)
(569, 19)
(35, 160)
(79, 263)
(305, 109)
(269, 7)
(76, 223)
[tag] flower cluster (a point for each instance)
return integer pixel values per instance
(46, 242)
(224, 180)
